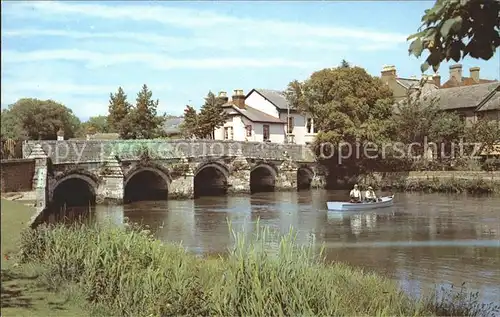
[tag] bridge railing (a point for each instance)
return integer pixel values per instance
(85, 151)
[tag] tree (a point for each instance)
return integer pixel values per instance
(295, 95)
(454, 29)
(344, 64)
(485, 132)
(419, 120)
(189, 126)
(144, 119)
(202, 125)
(35, 119)
(118, 109)
(99, 124)
(344, 103)
(212, 116)
(347, 106)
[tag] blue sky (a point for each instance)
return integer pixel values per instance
(79, 52)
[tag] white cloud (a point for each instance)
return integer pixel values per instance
(12, 88)
(155, 60)
(204, 21)
(170, 43)
(60, 32)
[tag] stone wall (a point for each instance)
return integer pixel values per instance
(98, 150)
(387, 178)
(17, 175)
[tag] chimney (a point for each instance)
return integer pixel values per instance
(456, 72)
(388, 74)
(474, 74)
(239, 98)
(223, 96)
(60, 135)
(437, 79)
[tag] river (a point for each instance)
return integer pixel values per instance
(423, 240)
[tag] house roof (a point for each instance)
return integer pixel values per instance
(466, 81)
(491, 102)
(251, 114)
(276, 97)
(171, 125)
(483, 97)
(469, 97)
(407, 82)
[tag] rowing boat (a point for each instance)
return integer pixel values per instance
(346, 206)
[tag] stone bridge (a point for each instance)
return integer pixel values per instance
(75, 172)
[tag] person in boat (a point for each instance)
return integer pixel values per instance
(370, 195)
(355, 194)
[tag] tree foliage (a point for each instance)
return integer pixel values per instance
(118, 110)
(189, 126)
(344, 64)
(485, 132)
(348, 106)
(346, 103)
(420, 121)
(145, 121)
(96, 124)
(34, 119)
(212, 115)
(203, 124)
(454, 29)
(139, 122)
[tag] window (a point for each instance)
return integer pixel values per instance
(249, 130)
(228, 133)
(265, 131)
(309, 126)
(290, 125)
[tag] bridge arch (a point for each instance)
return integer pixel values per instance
(75, 189)
(305, 176)
(144, 183)
(263, 178)
(211, 179)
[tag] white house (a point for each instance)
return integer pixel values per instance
(248, 123)
(274, 103)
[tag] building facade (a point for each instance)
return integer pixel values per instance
(263, 116)
(299, 128)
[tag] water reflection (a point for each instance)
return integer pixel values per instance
(421, 240)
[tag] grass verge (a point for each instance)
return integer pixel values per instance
(22, 292)
(127, 272)
(448, 185)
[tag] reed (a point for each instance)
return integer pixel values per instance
(128, 272)
(449, 185)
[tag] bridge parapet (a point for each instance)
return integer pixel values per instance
(86, 151)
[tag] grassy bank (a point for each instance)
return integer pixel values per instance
(22, 292)
(126, 272)
(443, 185)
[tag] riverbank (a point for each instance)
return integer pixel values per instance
(436, 182)
(448, 185)
(22, 293)
(127, 272)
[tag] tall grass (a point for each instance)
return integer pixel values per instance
(127, 272)
(448, 185)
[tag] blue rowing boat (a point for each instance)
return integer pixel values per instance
(346, 206)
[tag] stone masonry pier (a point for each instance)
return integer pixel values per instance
(117, 171)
